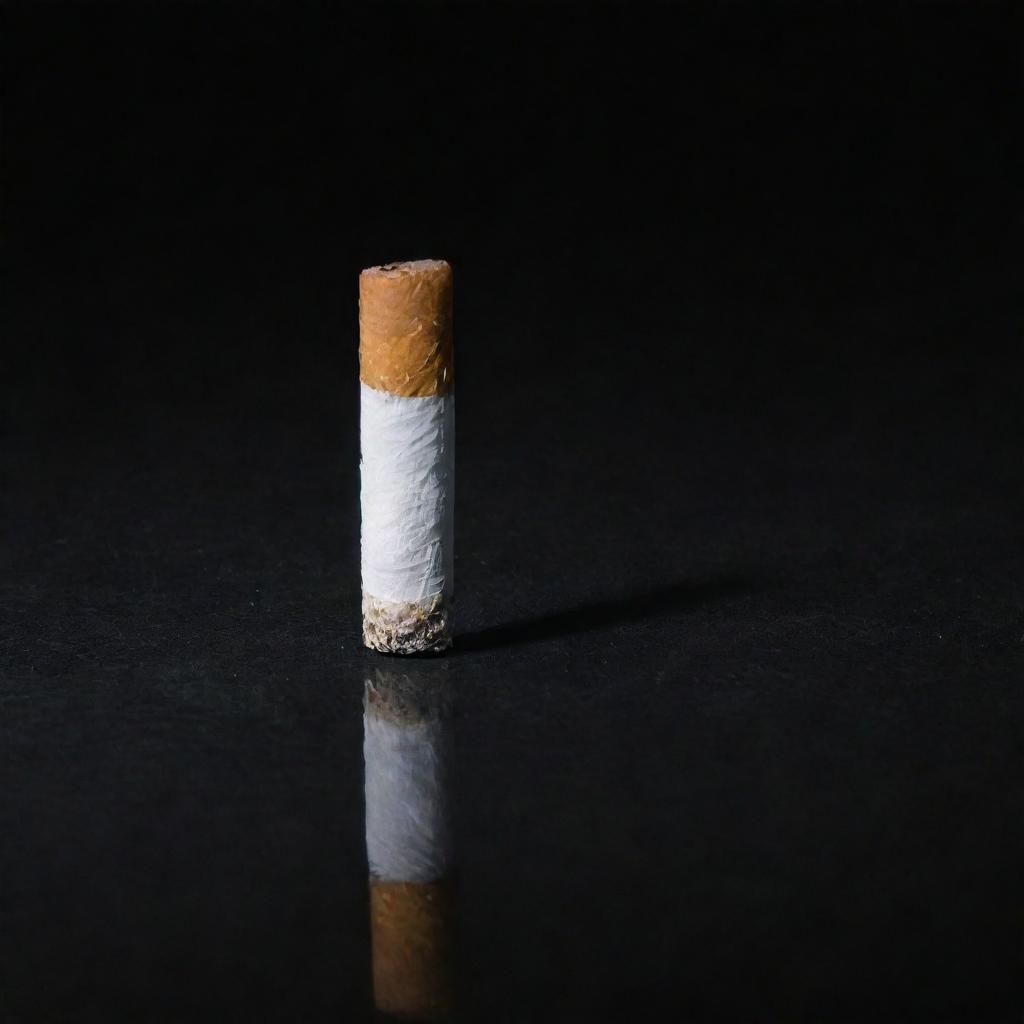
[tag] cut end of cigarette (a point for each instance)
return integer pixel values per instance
(415, 694)
(405, 328)
(407, 627)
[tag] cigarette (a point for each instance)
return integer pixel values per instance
(406, 748)
(407, 440)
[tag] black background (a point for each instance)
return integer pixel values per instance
(739, 504)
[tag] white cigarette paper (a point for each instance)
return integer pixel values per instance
(407, 474)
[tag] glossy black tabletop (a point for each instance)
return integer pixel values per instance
(731, 728)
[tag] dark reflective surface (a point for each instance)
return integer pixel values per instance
(736, 693)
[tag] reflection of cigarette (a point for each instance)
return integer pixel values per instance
(408, 844)
(407, 429)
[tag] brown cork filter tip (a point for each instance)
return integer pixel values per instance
(405, 328)
(412, 940)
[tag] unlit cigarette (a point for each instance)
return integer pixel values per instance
(407, 437)
(408, 843)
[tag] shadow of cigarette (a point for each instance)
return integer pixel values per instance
(649, 604)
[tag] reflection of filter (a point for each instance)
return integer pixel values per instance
(408, 844)
(407, 437)
(411, 927)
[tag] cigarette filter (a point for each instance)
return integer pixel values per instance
(407, 437)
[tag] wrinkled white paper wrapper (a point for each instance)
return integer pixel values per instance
(407, 479)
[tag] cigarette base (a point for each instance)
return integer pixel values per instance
(407, 627)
